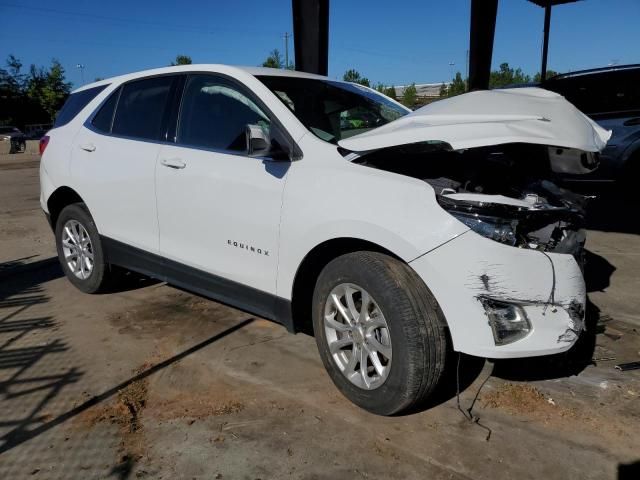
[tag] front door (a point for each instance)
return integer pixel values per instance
(218, 208)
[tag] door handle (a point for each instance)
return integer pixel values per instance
(88, 147)
(173, 163)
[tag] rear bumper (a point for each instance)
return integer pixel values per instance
(549, 287)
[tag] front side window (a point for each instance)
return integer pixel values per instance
(333, 110)
(215, 113)
(141, 108)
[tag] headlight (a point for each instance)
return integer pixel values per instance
(495, 228)
(508, 320)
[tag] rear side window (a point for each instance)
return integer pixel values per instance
(215, 114)
(141, 108)
(76, 102)
(104, 118)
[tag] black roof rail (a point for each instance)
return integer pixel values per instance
(610, 68)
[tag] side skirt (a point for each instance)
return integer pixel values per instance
(228, 292)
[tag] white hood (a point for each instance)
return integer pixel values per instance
(482, 118)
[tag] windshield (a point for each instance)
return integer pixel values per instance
(334, 110)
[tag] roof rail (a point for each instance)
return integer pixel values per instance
(610, 68)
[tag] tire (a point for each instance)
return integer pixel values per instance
(88, 280)
(415, 329)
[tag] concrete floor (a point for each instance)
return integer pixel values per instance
(151, 382)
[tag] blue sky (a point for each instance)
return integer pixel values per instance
(393, 42)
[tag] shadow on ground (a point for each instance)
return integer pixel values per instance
(21, 288)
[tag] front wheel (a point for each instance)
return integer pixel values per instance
(379, 331)
(80, 250)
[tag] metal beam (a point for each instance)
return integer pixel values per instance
(311, 35)
(545, 43)
(483, 27)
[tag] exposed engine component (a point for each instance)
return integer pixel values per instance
(502, 192)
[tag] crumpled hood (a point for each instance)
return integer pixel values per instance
(483, 118)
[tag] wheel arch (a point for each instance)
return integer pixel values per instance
(309, 269)
(60, 198)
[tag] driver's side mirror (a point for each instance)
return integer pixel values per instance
(261, 144)
(258, 142)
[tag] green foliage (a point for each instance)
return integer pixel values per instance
(550, 73)
(506, 75)
(181, 60)
(410, 96)
(354, 76)
(457, 86)
(34, 97)
(390, 92)
(274, 60)
(55, 89)
(503, 77)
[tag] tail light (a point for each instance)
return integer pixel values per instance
(44, 141)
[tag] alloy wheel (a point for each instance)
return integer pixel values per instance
(358, 336)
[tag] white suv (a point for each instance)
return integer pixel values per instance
(398, 236)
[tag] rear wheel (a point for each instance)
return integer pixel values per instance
(379, 331)
(79, 249)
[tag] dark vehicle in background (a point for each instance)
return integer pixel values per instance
(15, 136)
(611, 97)
(37, 131)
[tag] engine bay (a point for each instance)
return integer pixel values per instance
(504, 192)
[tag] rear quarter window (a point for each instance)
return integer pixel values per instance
(75, 103)
(103, 120)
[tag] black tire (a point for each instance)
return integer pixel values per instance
(415, 322)
(99, 278)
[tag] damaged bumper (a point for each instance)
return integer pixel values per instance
(505, 302)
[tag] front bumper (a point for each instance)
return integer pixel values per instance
(549, 287)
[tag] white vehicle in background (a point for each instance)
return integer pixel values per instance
(397, 235)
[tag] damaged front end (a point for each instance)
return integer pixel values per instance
(527, 281)
(490, 158)
(542, 217)
(504, 193)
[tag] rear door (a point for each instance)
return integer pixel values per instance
(114, 160)
(219, 208)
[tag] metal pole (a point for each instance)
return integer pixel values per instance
(481, 33)
(311, 35)
(286, 50)
(81, 68)
(545, 42)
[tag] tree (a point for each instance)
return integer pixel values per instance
(56, 89)
(274, 60)
(390, 92)
(34, 97)
(380, 87)
(354, 76)
(457, 86)
(410, 96)
(550, 73)
(505, 76)
(443, 90)
(12, 81)
(181, 60)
